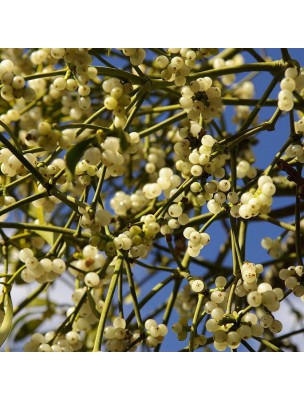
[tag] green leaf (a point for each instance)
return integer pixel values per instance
(6, 325)
(48, 236)
(75, 153)
(4, 106)
(38, 302)
(28, 328)
(21, 318)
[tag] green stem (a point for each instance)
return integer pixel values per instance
(30, 298)
(282, 224)
(298, 223)
(210, 221)
(285, 54)
(155, 110)
(107, 304)
(31, 105)
(120, 74)
(5, 238)
(273, 163)
(23, 160)
(101, 59)
(154, 267)
(139, 99)
(134, 297)
(243, 312)
(272, 66)
(285, 211)
(194, 325)
(70, 201)
(242, 237)
(266, 343)
(231, 101)
(196, 221)
(255, 55)
(5, 256)
(150, 295)
(173, 253)
(269, 125)
(17, 181)
(70, 319)
(46, 74)
(12, 135)
(161, 125)
(99, 187)
(21, 202)
(34, 227)
(162, 210)
(169, 307)
(235, 245)
(81, 125)
(287, 335)
(260, 104)
(231, 295)
(248, 347)
(120, 293)
(223, 251)
(90, 119)
(233, 168)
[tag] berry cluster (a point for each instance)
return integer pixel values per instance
(45, 270)
(295, 150)
(119, 338)
(178, 64)
(241, 115)
(94, 222)
(199, 161)
(123, 204)
(117, 99)
(50, 342)
(43, 135)
(11, 165)
(155, 332)
(299, 126)
(275, 247)
(166, 182)
(196, 239)
(219, 62)
(293, 279)
(293, 81)
(89, 260)
(265, 295)
(89, 309)
(134, 240)
(136, 55)
(200, 98)
(181, 328)
(13, 87)
(255, 202)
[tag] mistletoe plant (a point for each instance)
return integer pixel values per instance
(116, 165)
